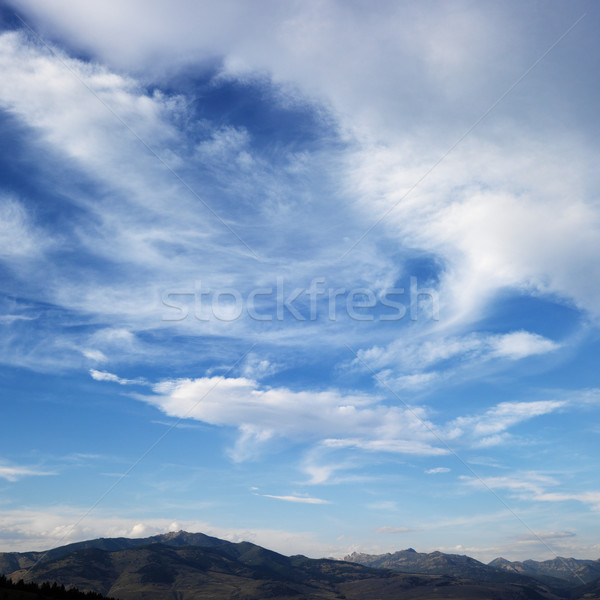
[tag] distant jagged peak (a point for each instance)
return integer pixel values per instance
(174, 535)
(184, 538)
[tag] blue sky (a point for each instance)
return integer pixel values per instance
(318, 275)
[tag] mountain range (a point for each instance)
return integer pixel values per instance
(558, 573)
(573, 570)
(194, 566)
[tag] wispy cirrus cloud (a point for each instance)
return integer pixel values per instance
(385, 505)
(106, 376)
(519, 483)
(535, 486)
(550, 536)
(413, 364)
(15, 472)
(19, 236)
(114, 263)
(437, 470)
(392, 530)
(591, 498)
(95, 355)
(297, 499)
(484, 208)
(490, 428)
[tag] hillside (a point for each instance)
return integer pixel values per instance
(589, 591)
(195, 567)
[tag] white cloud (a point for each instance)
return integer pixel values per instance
(430, 353)
(299, 499)
(329, 417)
(319, 473)
(53, 101)
(16, 472)
(479, 236)
(388, 505)
(95, 355)
(490, 210)
(523, 485)
(10, 319)
(388, 529)
(106, 376)
(590, 497)
(329, 421)
(496, 439)
(256, 368)
(499, 418)
(534, 486)
(19, 237)
(227, 143)
(488, 213)
(499, 229)
(138, 257)
(46, 93)
(432, 359)
(311, 45)
(387, 445)
(520, 344)
(410, 382)
(322, 468)
(536, 536)
(437, 470)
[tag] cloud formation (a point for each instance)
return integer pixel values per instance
(484, 210)
(490, 427)
(535, 486)
(300, 499)
(334, 419)
(15, 472)
(388, 529)
(437, 470)
(106, 376)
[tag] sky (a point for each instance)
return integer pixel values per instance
(319, 275)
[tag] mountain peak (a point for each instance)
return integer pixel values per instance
(170, 535)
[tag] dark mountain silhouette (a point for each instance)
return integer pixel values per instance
(13, 561)
(185, 566)
(20, 590)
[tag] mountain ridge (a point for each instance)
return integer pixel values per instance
(438, 563)
(571, 569)
(559, 572)
(194, 566)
